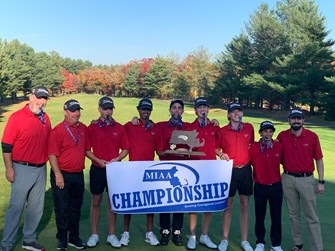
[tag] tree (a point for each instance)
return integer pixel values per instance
(310, 57)
(158, 77)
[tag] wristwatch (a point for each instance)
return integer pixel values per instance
(321, 182)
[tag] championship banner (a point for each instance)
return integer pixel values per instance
(140, 187)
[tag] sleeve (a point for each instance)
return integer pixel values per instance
(11, 131)
(54, 143)
(125, 145)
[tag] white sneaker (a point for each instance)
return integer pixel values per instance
(206, 241)
(93, 241)
(113, 241)
(125, 238)
(259, 247)
(151, 238)
(245, 245)
(192, 243)
(223, 245)
(277, 248)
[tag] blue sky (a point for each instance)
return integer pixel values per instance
(117, 31)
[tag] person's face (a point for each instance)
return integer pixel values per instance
(144, 114)
(296, 123)
(266, 133)
(72, 117)
(104, 113)
(176, 110)
(201, 110)
(235, 115)
(37, 104)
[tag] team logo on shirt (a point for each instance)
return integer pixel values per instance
(277, 155)
(306, 145)
(246, 135)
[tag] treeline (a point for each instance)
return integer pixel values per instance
(281, 58)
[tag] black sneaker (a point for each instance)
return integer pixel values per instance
(177, 239)
(62, 244)
(165, 237)
(77, 243)
(33, 246)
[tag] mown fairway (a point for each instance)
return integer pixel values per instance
(125, 110)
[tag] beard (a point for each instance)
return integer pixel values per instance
(296, 127)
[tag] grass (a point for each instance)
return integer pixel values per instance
(125, 110)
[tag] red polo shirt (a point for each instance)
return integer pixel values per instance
(70, 155)
(206, 134)
(300, 152)
(236, 143)
(107, 140)
(142, 141)
(165, 132)
(266, 164)
(28, 135)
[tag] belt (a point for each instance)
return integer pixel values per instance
(29, 164)
(240, 166)
(299, 175)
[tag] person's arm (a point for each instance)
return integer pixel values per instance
(91, 156)
(121, 156)
(10, 173)
(58, 174)
(320, 169)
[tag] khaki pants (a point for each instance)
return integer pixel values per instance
(299, 193)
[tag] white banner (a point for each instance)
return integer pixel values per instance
(138, 187)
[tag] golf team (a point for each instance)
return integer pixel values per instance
(28, 142)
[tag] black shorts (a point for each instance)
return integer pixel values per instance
(241, 181)
(98, 180)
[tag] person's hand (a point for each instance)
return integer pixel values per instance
(224, 156)
(59, 180)
(114, 160)
(10, 174)
(102, 163)
(321, 188)
(135, 121)
(215, 122)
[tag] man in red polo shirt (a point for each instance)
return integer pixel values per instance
(301, 148)
(234, 140)
(24, 148)
(66, 149)
(266, 157)
(109, 142)
(142, 139)
(206, 133)
(166, 128)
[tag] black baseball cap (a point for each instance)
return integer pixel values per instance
(145, 104)
(106, 102)
(266, 125)
(233, 106)
(200, 101)
(179, 101)
(72, 105)
(40, 92)
(296, 112)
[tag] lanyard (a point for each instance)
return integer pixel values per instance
(76, 140)
(262, 145)
(203, 120)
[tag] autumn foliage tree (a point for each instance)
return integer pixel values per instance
(70, 84)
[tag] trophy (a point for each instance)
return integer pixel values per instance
(188, 138)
